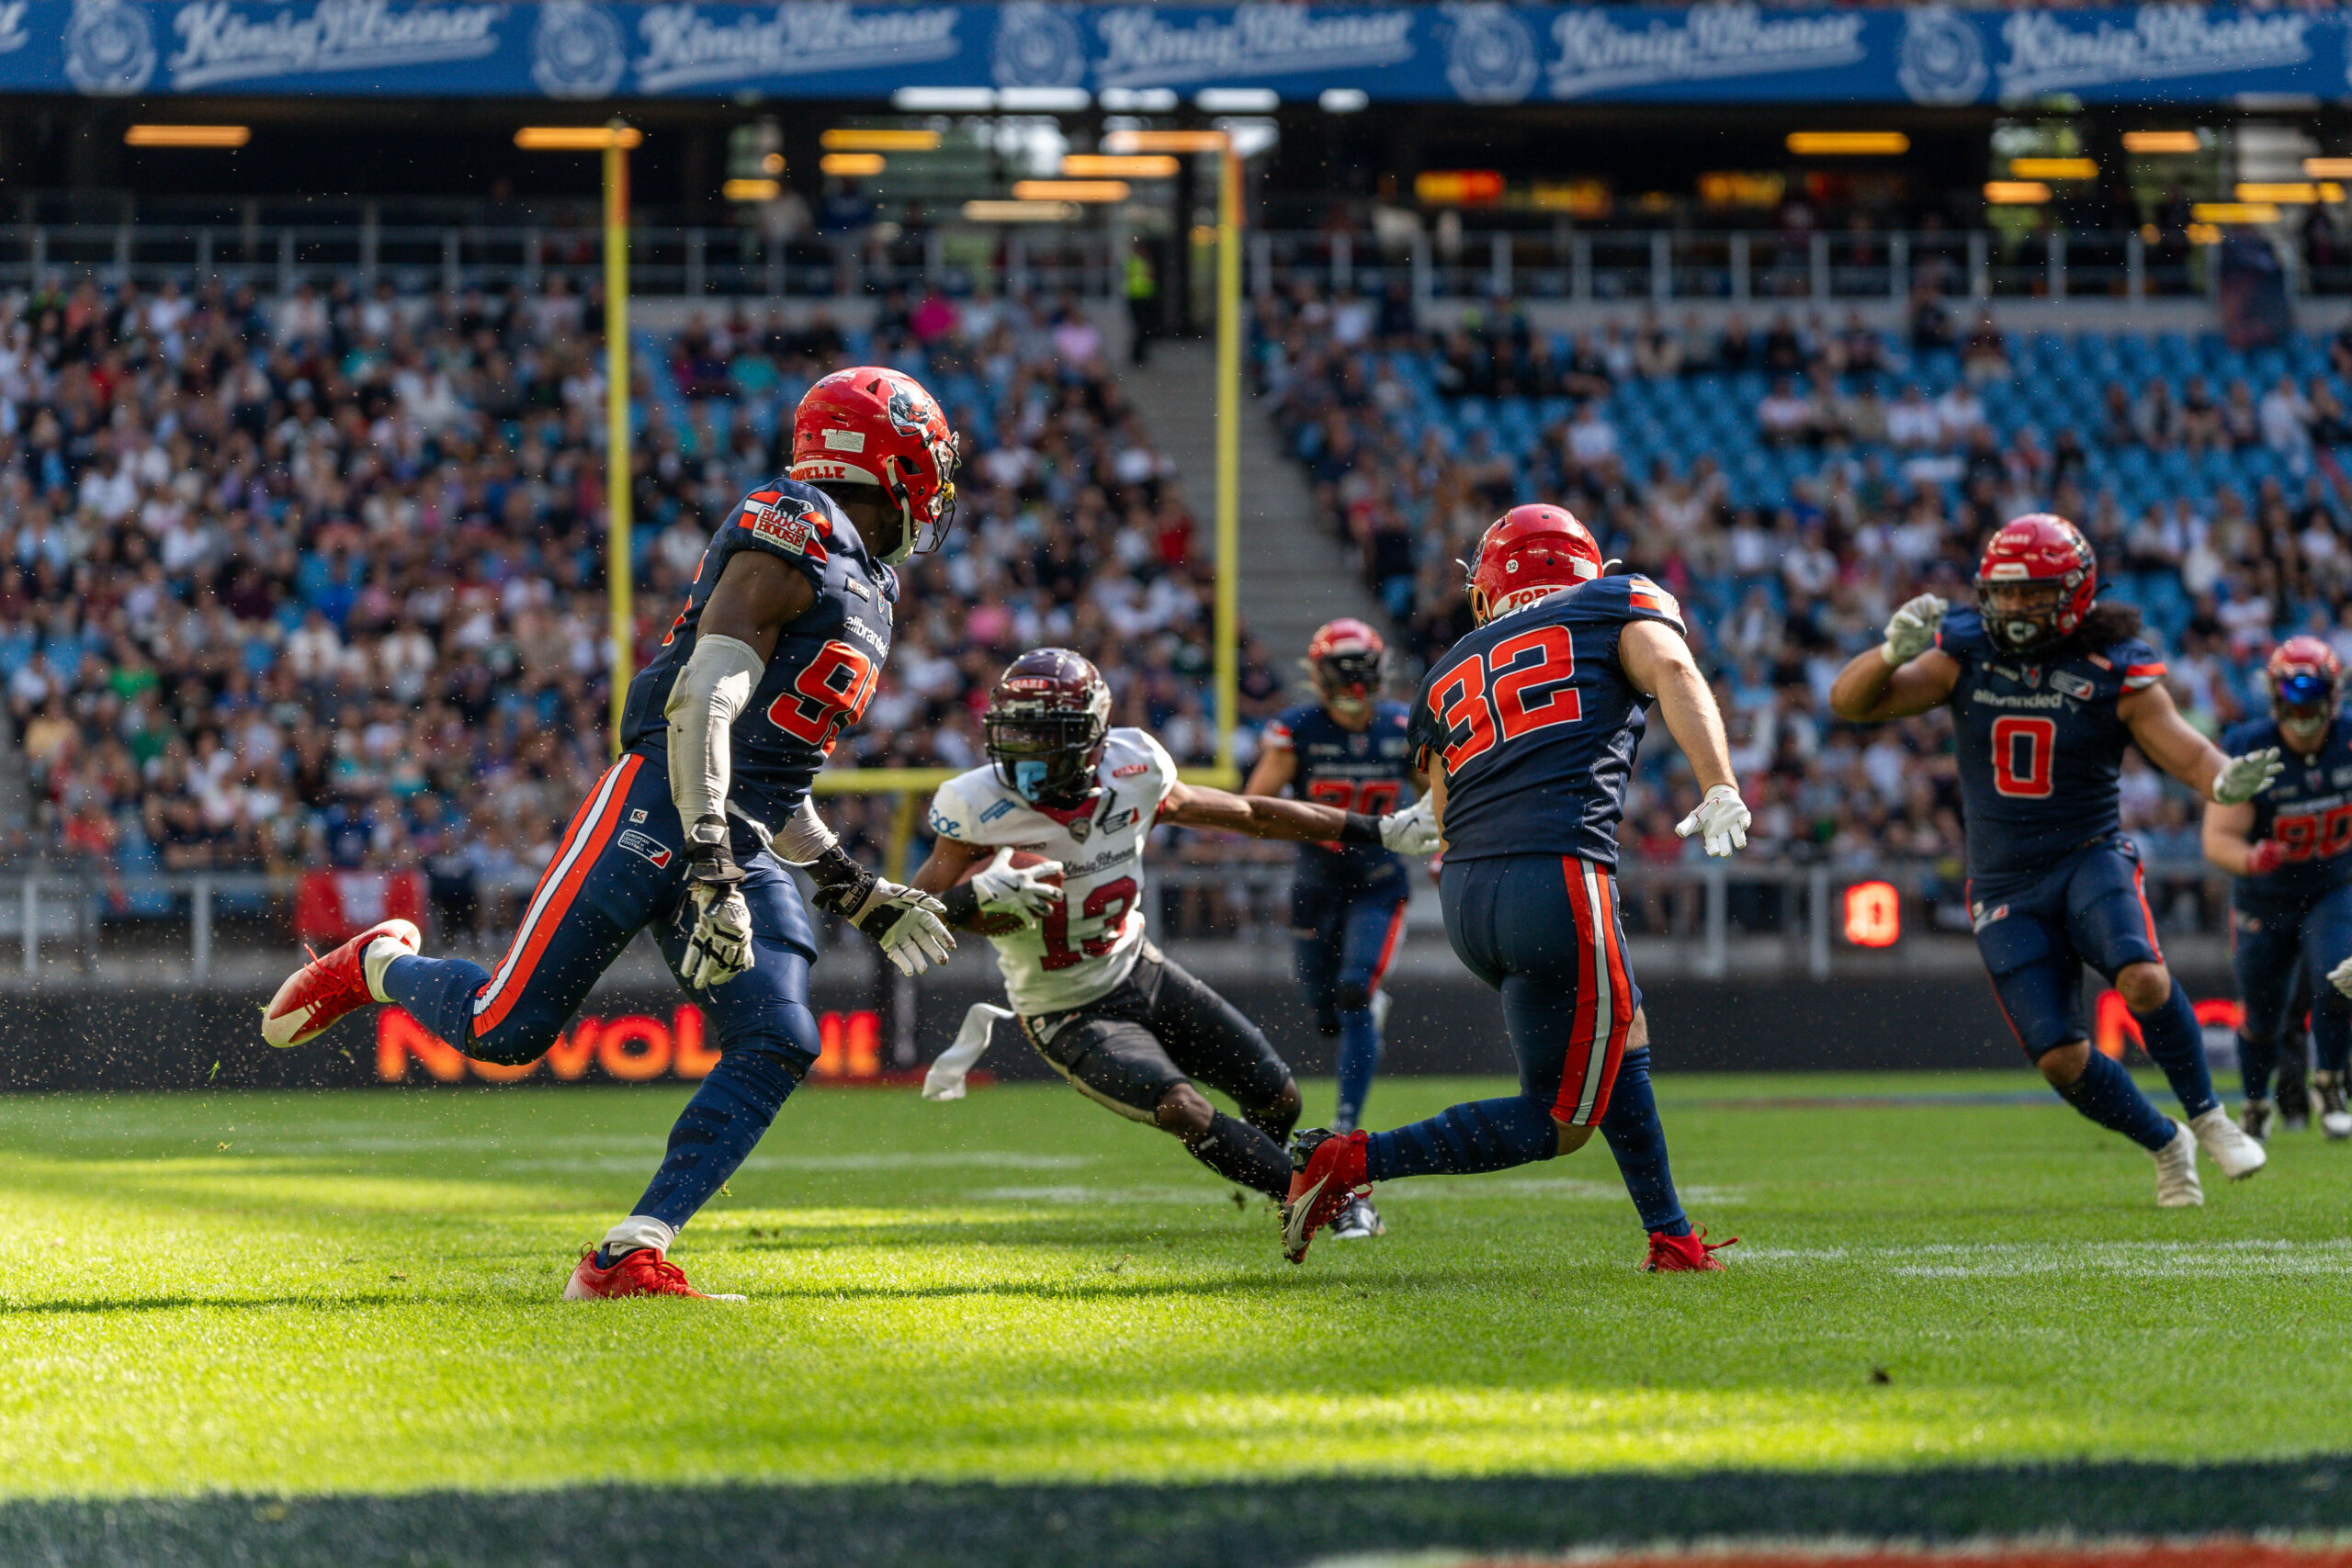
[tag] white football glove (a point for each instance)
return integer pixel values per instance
(1721, 821)
(2341, 977)
(719, 947)
(1911, 630)
(2243, 778)
(1026, 891)
(1412, 831)
(905, 922)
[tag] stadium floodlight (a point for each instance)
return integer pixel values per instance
(1093, 191)
(944, 100)
(616, 137)
(1848, 143)
(1139, 100)
(853, 165)
(1166, 141)
(2162, 142)
(2220, 212)
(228, 136)
(751, 190)
(2297, 193)
(1236, 100)
(1343, 100)
(1020, 212)
(2328, 168)
(1044, 100)
(614, 140)
(2016, 193)
(2054, 168)
(1120, 166)
(879, 138)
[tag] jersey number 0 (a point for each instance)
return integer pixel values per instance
(1520, 685)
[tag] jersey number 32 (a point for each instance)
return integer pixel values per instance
(1517, 687)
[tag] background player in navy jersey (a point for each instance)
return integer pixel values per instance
(777, 650)
(2046, 690)
(2291, 906)
(1346, 749)
(1527, 727)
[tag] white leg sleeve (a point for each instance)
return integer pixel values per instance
(711, 690)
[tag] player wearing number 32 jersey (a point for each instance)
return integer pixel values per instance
(1126, 1025)
(1527, 729)
(2046, 689)
(777, 649)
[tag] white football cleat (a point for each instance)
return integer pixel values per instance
(2176, 1183)
(2334, 1116)
(2238, 1155)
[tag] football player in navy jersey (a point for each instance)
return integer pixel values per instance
(2291, 907)
(2046, 689)
(1347, 748)
(777, 650)
(1527, 729)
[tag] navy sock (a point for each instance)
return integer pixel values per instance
(1242, 1154)
(1479, 1134)
(1638, 1140)
(1359, 1057)
(439, 993)
(2257, 1059)
(718, 1127)
(2176, 1041)
(2106, 1095)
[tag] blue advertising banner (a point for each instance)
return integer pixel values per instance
(1473, 54)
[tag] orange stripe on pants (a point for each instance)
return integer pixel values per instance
(584, 844)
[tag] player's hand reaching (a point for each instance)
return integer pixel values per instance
(1026, 891)
(2341, 977)
(1721, 821)
(718, 948)
(1412, 831)
(905, 922)
(2243, 778)
(1911, 630)
(2265, 857)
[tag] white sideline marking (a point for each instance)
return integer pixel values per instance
(2133, 1259)
(1091, 1197)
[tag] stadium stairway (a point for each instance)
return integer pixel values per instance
(1294, 578)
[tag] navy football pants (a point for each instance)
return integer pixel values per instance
(2269, 940)
(2036, 934)
(621, 868)
(1344, 938)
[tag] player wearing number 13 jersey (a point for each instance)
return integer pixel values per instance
(1527, 729)
(2046, 689)
(777, 650)
(1126, 1025)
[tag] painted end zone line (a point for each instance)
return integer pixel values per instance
(2229, 1552)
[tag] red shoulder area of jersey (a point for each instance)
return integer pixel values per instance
(787, 525)
(2140, 677)
(1276, 737)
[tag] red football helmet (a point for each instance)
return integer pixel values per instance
(1527, 553)
(2306, 682)
(876, 427)
(1345, 659)
(1044, 725)
(2036, 582)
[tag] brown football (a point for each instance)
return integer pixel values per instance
(1000, 925)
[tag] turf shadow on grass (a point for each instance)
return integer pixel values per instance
(1232, 1524)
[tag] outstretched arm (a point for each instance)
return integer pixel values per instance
(2165, 738)
(1904, 675)
(2225, 844)
(1408, 831)
(1659, 663)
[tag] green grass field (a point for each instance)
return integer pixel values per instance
(317, 1300)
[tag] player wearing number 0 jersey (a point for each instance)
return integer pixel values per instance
(1347, 748)
(2289, 850)
(1527, 727)
(776, 652)
(2046, 689)
(1126, 1026)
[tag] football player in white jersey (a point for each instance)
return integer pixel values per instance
(1100, 1002)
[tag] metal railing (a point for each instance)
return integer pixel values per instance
(1656, 267)
(1698, 907)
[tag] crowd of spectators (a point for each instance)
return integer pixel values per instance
(320, 580)
(1895, 492)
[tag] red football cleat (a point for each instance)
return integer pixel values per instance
(644, 1273)
(1327, 1172)
(1692, 1254)
(326, 988)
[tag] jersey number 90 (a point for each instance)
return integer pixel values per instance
(827, 697)
(1517, 687)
